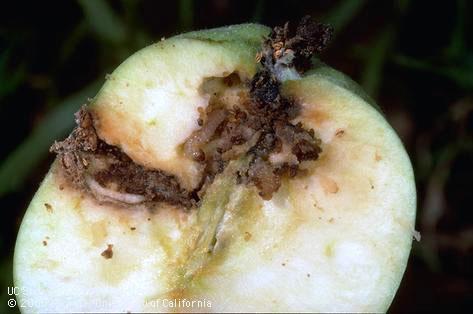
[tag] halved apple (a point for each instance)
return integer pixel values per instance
(335, 238)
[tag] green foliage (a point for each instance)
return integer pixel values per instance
(372, 75)
(186, 14)
(460, 71)
(343, 13)
(9, 82)
(19, 164)
(6, 280)
(103, 21)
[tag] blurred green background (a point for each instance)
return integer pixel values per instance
(414, 57)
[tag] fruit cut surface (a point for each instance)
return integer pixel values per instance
(336, 239)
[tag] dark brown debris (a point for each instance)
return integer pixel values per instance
(296, 45)
(259, 127)
(82, 150)
(264, 90)
(154, 185)
(74, 150)
(274, 112)
(48, 207)
(108, 253)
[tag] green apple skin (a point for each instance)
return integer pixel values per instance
(335, 240)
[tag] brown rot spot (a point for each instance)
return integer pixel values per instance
(108, 253)
(247, 236)
(133, 228)
(316, 116)
(377, 157)
(49, 208)
(45, 242)
(328, 185)
(339, 132)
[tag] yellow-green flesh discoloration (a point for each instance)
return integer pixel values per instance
(336, 239)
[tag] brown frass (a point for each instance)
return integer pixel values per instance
(258, 127)
(294, 47)
(261, 125)
(83, 155)
(108, 253)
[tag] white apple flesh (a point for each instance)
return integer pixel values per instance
(334, 240)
